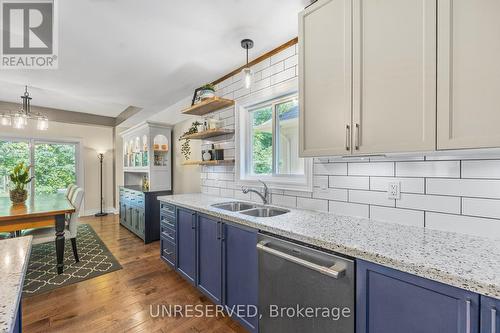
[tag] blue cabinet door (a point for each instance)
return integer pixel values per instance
(209, 257)
(490, 315)
(241, 274)
(390, 301)
(186, 243)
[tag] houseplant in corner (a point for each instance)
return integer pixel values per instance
(19, 177)
(207, 91)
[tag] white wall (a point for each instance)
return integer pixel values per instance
(186, 178)
(93, 139)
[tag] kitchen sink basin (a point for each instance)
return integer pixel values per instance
(235, 206)
(265, 212)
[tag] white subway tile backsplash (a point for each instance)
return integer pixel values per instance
(283, 76)
(286, 53)
(396, 215)
(463, 224)
(435, 203)
(371, 169)
(450, 169)
(284, 200)
(481, 207)
(479, 188)
(456, 190)
(481, 169)
(408, 185)
(312, 204)
(358, 183)
(349, 209)
(370, 197)
(330, 169)
(330, 194)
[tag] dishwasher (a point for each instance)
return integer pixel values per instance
(302, 289)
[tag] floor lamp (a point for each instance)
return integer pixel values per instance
(101, 213)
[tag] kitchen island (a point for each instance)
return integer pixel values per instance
(13, 264)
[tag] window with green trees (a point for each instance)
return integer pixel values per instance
(274, 133)
(54, 164)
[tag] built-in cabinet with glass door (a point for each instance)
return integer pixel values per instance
(147, 174)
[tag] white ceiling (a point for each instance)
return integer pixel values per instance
(149, 53)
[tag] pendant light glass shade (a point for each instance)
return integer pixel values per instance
(42, 123)
(247, 75)
(19, 121)
(5, 120)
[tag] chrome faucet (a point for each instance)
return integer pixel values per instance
(265, 197)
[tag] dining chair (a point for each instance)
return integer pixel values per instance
(71, 189)
(43, 235)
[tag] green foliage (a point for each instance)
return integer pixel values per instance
(208, 86)
(54, 167)
(185, 147)
(262, 148)
(20, 176)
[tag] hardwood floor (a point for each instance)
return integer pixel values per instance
(120, 301)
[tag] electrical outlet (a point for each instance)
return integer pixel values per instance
(394, 190)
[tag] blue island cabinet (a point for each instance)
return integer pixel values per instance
(390, 301)
(241, 274)
(490, 315)
(209, 254)
(186, 243)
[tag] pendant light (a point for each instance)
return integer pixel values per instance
(19, 120)
(247, 73)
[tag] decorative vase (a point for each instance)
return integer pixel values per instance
(18, 196)
(207, 93)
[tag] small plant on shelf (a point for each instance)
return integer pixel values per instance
(185, 147)
(20, 177)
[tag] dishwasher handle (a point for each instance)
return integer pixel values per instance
(336, 271)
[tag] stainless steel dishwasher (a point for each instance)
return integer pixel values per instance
(304, 290)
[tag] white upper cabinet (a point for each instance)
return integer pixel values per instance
(394, 76)
(325, 78)
(468, 74)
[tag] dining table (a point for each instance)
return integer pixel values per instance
(39, 211)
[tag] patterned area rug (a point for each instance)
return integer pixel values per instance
(95, 260)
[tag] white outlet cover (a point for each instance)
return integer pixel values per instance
(394, 190)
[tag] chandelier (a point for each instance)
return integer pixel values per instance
(19, 120)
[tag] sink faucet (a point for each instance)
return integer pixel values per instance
(265, 197)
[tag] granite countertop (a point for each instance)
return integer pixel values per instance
(467, 262)
(13, 264)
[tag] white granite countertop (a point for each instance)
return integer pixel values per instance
(468, 262)
(14, 258)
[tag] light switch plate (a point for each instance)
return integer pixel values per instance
(394, 190)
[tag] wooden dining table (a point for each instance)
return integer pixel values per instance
(39, 211)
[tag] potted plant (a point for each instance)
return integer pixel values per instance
(185, 147)
(207, 91)
(19, 177)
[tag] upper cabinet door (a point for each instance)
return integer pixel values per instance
(394, 76)
(325, 78)
(468, 74)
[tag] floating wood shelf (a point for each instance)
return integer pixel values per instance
(208, 134)
(213, 162)
(208, 105)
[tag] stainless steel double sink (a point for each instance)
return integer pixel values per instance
(249, 209)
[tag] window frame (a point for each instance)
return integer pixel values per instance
(244, 175)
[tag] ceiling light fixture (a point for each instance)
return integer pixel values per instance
(247, 73)
(19, 120)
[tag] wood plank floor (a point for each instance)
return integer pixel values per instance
(120, 301)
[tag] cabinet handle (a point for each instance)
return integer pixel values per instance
(493, 320)
(219, 230)
(347, 137)
(358, 138)
(467, 316)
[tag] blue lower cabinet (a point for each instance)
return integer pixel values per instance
(390, 301)
(18, 326)
(186, 243)
(209, 253)
(490, 315)
(240, 266)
